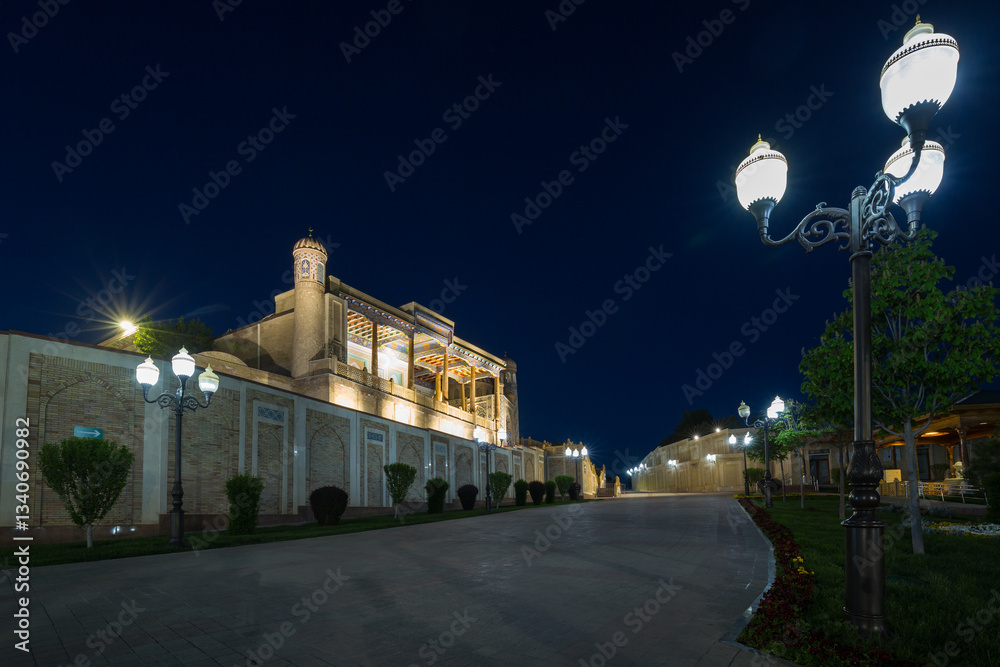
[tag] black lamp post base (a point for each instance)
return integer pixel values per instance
(177, 530)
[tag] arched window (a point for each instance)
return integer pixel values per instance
(319, 271)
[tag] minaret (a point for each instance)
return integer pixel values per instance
(509, 375)
(309, 257)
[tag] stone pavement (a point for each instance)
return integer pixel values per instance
(634, 581)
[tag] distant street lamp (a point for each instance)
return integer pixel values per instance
(916, 81)
(486, 447)
(773, 412)
(576, 454)
(746, 443)
(183, 367)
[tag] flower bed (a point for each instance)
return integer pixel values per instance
(971, 530)
(777, 626)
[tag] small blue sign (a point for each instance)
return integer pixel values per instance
(87, 432)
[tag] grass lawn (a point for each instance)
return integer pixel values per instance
(77, 552)
(943, 607)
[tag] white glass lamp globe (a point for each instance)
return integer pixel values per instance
(776, 408)
(502, 433)
(479, 434)
(147, 373)
(762, 175)
(732, 441)
(744, 410)
(923, 69)
(569, 452)
(929, 172)
(208, 381)
(183, 364)
(583, 452)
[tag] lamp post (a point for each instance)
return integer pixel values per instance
(770, 419)
(486, 447)
(916, 81)
(183, 367)
(746, 443)
(576, 454)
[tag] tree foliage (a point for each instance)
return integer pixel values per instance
(499, 483)
(166, 337)
(88, 475)
(399, 477)
(930, 349)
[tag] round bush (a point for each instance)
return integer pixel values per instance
(467, 494)
(436, 490)
(574, 491)
(537, 491)
(328, 504)
(520, 492)
(550, 492)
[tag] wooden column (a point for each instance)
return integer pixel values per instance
(472, 392)
(461, 388)
(445, 385)
(437, 386)
(497, 390)
(409, 364)
(374, 349)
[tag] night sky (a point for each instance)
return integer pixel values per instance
(629, 130)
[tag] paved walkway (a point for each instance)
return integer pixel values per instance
(643, 581)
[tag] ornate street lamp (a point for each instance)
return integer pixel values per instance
(479, 433)
(183, 367)
(576, 454)
(916, 81)
(746, 443)
(770, 419)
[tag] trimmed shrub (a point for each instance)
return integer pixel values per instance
(328, 504)
(436, 490)
(537, 491)
(467, 494)
(243, 492)
(574, 491)
(550, 492)
(563, 482)
(520, 492)
(499, 483)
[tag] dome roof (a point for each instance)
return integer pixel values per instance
(309, 242)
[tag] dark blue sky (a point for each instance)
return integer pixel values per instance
(675, 128)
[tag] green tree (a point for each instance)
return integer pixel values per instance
(499, 483)
(399, 477)
(930, 348)
(88, 475)
(166, 337)
(243, 492)
(984, 472)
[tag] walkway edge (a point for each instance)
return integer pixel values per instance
(737, 627)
